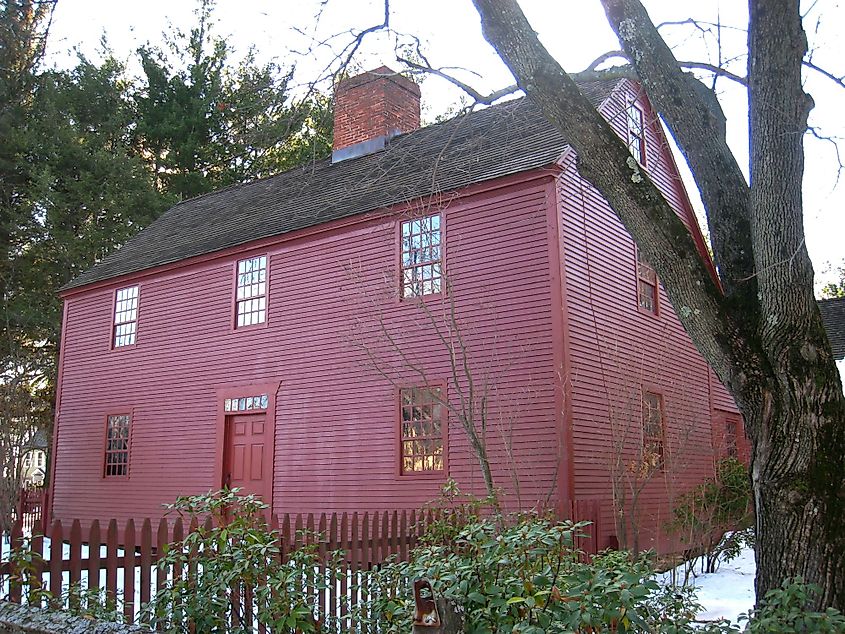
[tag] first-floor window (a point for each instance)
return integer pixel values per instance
(653, 430)
(731, 431)
(422, 423)
(117, 446)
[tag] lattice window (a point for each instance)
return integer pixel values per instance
(636, 133)
(646, 284)
(125, 316)
(117, 446)
(251, 302)
(653, 431)
(245, 403)
(421, 256)
(422, 430)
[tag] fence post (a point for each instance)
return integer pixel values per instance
(56, 547)
(129, 571)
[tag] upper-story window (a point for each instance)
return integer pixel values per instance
(117, 446)
(125, 317)
(422, 422)
(422, 256)
(646, 285)
(636, 133)
(653, 430)
(251, 296)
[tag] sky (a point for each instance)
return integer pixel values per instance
(311, 33)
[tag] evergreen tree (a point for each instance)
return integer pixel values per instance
(206, 124)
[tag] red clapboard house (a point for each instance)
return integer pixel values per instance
(295, 336)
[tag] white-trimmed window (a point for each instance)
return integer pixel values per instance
(125, 317)
(117, 446)
(422, 426)
(422, 261)
(636, 133)
(251, 295)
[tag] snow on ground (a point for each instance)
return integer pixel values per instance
(727, 592)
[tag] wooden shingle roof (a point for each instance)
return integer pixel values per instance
(483, 145)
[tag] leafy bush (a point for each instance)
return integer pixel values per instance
(784, 611)
(24, 566)
(704, 516)
(529, 577)
(218, 566)
(93, 603)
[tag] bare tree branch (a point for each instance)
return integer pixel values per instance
(472, 92)
(838, 80)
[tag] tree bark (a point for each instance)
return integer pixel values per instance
(798, 432)
(764, 339)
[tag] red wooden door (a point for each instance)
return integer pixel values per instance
(246, 459)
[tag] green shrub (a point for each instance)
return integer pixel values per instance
(527, 576)
(24, 564)
(218, 565)
(93, 603)
(705, 516)
(784, 611)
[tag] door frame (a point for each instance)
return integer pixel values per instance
(238, 391)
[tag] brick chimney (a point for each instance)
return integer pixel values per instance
(370, 109)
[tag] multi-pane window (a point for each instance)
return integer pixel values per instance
(251, 298)
(125, 316)
(422, 430)
(652, 430)
(731, 446)
(636, 133)
(245, 403)
(117, 446)
(646, 285)
(422, 262)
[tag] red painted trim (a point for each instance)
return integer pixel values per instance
(560, 344)
(48, 513)
(415, 476)
(233, 319)
(332, 228)
(118, 411)
(237, 391)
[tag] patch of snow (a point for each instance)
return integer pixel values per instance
(728, 592)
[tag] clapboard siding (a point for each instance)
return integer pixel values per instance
(616, 351)
(335, 429)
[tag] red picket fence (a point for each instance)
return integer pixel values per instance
(128, 555)
(31, 507)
